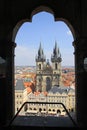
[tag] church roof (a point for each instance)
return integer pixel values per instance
(60, 89)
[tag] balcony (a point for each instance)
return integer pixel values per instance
(40, 121)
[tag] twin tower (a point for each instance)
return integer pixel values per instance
(48, 75)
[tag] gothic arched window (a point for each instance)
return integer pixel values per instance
(40, 66)
(56, 66)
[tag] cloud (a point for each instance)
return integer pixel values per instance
(24, 56)
(69, 33)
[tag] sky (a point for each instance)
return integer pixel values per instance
(45, 30)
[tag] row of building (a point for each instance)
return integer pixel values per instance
(54, 99)
(49, 96)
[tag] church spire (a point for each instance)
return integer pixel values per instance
(56, 56)
(56, 50)
(40, 56)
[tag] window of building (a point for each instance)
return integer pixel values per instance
(39, 66)
(56, 66)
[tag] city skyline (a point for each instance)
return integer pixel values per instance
(45, 30)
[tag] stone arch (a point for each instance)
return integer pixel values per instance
(51, 11)
(38, 10)
(35, 11)
(17, 26)
(74, 15)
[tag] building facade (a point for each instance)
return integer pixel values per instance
(53, 102)
(48, 75)
(48, 103)
(20, 96)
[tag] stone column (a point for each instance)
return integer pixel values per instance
(6, 81)
(80, 46)
(10, 80)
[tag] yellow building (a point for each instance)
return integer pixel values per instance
(20, 96)
(54, 99)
